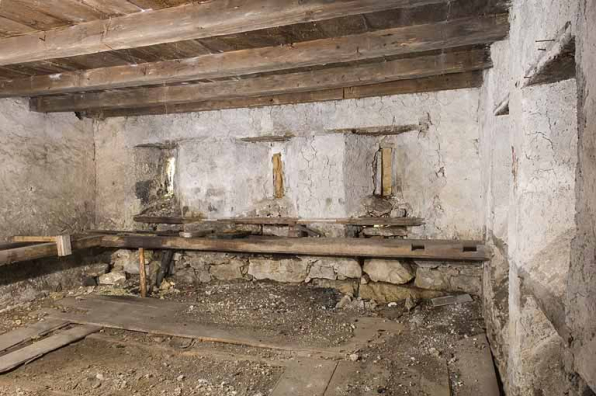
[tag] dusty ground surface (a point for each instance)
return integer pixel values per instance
(418, 361)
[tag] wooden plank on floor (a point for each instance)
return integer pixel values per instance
(40, 348)
(19, 336)
(475, 367)
(335, 247)
(150, 322)
(305, 378)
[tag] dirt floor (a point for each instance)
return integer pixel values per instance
(421, 359)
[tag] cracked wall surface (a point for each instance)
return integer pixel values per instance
(47, 176)
(529, 167)
(581, 304)
(326, 173)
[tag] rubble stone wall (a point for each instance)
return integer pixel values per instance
(375, 279)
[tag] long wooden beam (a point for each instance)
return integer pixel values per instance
(358, 221)
(191, 21)
(389, 42)
(43, 250)
(339, 247)
(336, 77)
(429, 84)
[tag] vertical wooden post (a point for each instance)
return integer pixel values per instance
(278, 176)
(387, 166)
(142, 275)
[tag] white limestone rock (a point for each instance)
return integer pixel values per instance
(389, 271)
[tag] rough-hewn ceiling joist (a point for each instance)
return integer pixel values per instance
(389, 42)
(192, 21)
(336, 77)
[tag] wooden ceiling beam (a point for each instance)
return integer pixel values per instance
(389, 42)
(336, 77)
(428, 84)
(191, 21)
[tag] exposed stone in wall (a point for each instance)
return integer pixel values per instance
(291, 270)
(453, 277)
(390, 271)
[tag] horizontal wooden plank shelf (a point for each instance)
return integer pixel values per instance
(338, 247)
(44, 250)
(362, 221)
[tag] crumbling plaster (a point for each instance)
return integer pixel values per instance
(532, 155)
(326, 174)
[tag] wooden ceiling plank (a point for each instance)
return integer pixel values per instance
(192, 21)
(113, 7)
(428, 84)
(337, 77)
(373, 45)
(21, 12)
(68, 10)
(10, 28)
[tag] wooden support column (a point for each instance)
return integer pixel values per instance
(142, 275)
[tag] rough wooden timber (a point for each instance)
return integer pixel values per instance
(370, 45)
(192, 21)
(324, 79)
(472, 79)
(338, 247)
(357, 221)
(42, 250)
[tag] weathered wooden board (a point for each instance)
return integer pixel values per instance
(338, 247)
(359, 221)
(47, 345)
(377, 44)
(19, 336)
(42, 250)
(192, 21)
(428, 84)
(330, 78)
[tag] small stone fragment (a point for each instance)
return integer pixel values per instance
(354, 357)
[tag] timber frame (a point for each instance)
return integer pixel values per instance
(119, 58)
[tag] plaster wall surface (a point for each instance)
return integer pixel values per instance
(47, 177)
(326, 174)
(532, 154)
(47, 184)
(581, 305)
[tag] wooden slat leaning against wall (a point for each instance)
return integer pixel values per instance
(378, 44)
(336, 77)
(192, 21)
